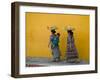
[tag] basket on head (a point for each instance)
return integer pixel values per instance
(69, 28)
(52, 28)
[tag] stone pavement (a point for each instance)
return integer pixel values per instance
(34, 62)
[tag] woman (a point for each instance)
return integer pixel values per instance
(54, 42)
(72, 54)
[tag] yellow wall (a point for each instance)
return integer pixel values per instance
(37, 35)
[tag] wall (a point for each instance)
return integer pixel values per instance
(5, 41)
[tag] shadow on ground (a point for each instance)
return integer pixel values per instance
(38, 62)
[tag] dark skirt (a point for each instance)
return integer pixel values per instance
(55, 53)
(72, 54)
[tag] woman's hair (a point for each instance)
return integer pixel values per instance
(53, 31)
(70, 32)
(58, 34)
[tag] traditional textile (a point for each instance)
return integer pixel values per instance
(72, 54)
(55, 47)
